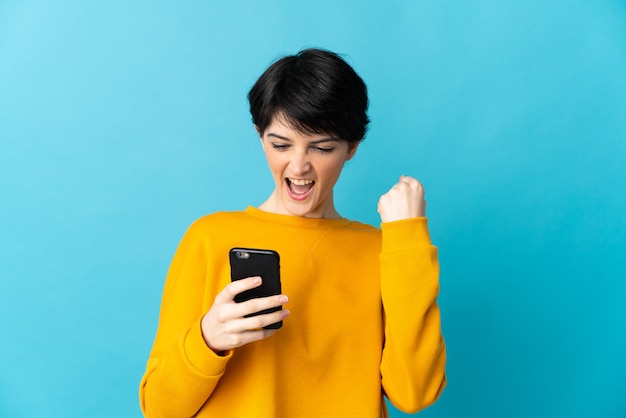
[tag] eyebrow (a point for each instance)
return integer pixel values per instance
(317, 141)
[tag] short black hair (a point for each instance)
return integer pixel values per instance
(316, 91)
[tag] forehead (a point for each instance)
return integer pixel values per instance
(283, 128)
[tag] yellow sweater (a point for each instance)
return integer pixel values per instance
(364, 322)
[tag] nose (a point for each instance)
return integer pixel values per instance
(300, 163)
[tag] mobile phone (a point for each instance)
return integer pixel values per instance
(248, 262)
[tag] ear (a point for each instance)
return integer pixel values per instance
(352, 147)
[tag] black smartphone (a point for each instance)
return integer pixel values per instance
(248, 262)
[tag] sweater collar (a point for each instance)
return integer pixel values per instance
(296, 220)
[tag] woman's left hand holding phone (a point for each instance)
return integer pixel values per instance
(225, 327)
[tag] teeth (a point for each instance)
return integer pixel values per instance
(299, 182)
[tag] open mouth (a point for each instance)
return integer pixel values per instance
(299, 189)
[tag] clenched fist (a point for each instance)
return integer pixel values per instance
(403, 201)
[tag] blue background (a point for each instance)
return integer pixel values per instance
(123, 121)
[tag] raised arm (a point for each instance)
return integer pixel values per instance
(414, 356)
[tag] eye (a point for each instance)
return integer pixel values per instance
(324, 150)
(278, 146)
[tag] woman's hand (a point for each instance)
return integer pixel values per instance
(403, 201)
(224, 326)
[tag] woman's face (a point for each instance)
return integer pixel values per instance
(305, 169)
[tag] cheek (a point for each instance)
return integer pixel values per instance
(275, 163)
(332, 170)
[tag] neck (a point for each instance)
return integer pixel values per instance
(274, 205)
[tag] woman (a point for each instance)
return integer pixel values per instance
(361, 321)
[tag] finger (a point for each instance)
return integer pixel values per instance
(401, 185)
(259, 304)
(258, 322)
(236, 287)
(237, 327)
(411, 181)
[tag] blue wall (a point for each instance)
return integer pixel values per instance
(123, 121)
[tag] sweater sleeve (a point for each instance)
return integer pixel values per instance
(182, 370)
(414, 355)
